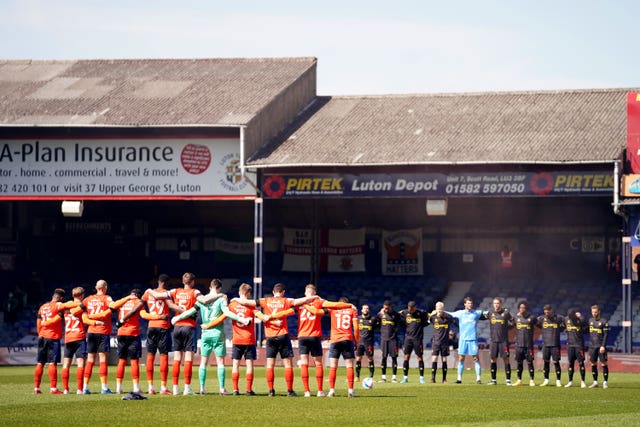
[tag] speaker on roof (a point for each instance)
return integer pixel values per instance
(72, 208)
(437, 207)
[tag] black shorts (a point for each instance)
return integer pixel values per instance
(98, 343)
(183, 338)
(524, 353)
(595, 355)
(412, 344)
(48, 351)
(129, 347)
(248, 351)
(498, 350)
(440, 349)
(75, 348)
(575, 353)
(365, 350)
(159, 340)
(279, 345)
(549, 353)
(341, 348)
(310, 345)
(389, 348)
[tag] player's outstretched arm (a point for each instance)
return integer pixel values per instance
(314, 310)
(282, 313)
(52, 321)
(260, 315)
(115, 305)
(101, 315)
(231, 315)
(135, 309)
(209, 298)
(159, 295)
(304, 300)
(77, 311)
(215, 322)
(336, 304)
(185, 314)
(91, 322)
(356, 330)
(173, 306)
(245, 301)
(149, 316)
(68, 304)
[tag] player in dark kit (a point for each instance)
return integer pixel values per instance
(441, 341)
(524, 323)
(366, 324)
(500, 321)
(389, 323)
(414, 321)
(551, 325)
(598, 333)
(576, 330)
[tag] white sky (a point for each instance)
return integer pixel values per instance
(363, 47)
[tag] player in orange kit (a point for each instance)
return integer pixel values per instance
(49, 327)
(184, 330)
(75, 343)
(244, 337)
(310, 338)
(98, 335)
(277, 333)
(243, 341)
(159, 334)
(129, 311)
(344, 334)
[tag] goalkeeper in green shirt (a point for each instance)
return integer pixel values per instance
(213, 310)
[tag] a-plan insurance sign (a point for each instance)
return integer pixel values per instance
(121, 169)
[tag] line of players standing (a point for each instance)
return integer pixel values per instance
(501, 321)
(96, 311)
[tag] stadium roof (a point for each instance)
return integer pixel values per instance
(546, 127)
(144, 92)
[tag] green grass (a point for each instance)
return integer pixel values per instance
(390, 404)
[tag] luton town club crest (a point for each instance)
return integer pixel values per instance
(232, 177)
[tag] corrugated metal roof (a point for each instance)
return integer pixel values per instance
(573, 126)
(145, 92)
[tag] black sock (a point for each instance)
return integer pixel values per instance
(520, 368)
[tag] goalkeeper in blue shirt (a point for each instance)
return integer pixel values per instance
(468, 339)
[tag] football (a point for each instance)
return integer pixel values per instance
(368, 383)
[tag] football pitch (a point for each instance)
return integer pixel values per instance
(387, 404)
